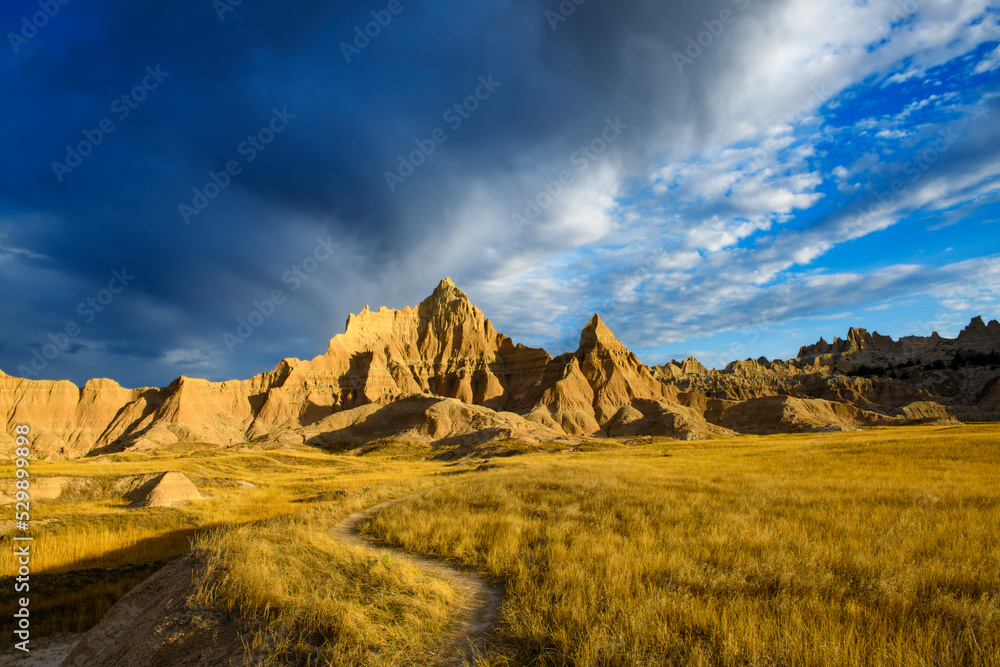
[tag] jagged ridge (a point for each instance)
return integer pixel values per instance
(445, 349)
(915, 377)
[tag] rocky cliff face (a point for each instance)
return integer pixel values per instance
(873, 372)
(444, 346)
(861, 348)
(582, 392)
(446, 351)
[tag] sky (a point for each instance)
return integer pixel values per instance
(203, 188)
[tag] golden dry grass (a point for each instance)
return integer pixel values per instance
(84, 532)
(875, 548)
(308, 599)
(101, 530)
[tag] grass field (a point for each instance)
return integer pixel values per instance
(310, 600)
(90, 548)
(879, 547)
(99, 529)
(875, 548)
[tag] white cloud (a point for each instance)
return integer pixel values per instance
(989, 63)
(900, 77)
(695, 251)
(918, 105)
(187, 358)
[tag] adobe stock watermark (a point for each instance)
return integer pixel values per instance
(900, 11)
(454, 116)
(914, 168)
(122, 107)
(248, 150)
(762, 156)
(294, 277)
(781, 301)
(697, 44)
(363, 35)
(985, 277)
(22, 542)
(562, 13)
(223, 7)
(31, 25)
(777, 305)
(580, 160)
(88, 309)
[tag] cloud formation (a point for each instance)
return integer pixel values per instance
(680, 196)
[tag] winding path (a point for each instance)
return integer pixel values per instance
(481, 602)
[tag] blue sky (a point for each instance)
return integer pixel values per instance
(739, 177)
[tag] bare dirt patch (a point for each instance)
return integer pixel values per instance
(154, 625)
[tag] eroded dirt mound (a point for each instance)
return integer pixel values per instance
(646, 417)
(42, 488)
(165, 490)
(420, 418)
(786, 414)
(927, 412)
(156, 624)
(48, 651)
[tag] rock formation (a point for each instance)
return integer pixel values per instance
(165, 490)
(444, 346)
(914, 378)
(440, 373)
(423, 418)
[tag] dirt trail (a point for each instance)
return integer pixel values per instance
(480, 600)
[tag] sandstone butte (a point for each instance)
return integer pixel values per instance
(440, 374)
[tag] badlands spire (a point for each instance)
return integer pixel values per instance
(439, 371)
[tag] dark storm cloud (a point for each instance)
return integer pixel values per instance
(324, 174)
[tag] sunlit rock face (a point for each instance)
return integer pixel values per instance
(445, 348)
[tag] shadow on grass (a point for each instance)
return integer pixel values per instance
(75, 599)
(70, 602)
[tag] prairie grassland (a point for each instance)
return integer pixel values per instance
(100, 530)
(872, 548)
(307, 599)
(97, 531)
